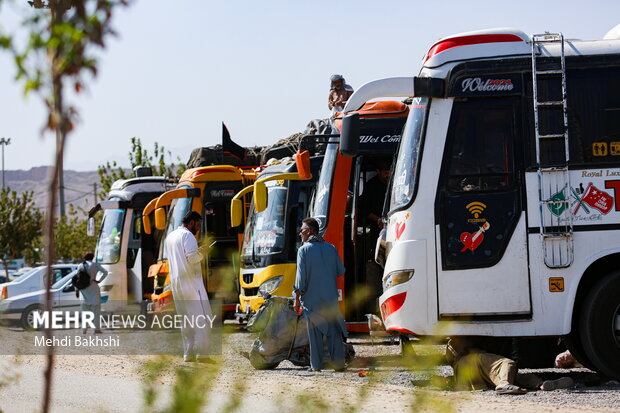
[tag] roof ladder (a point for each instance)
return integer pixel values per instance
(552, 152)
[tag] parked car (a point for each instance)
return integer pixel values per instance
(13, 274)
(22, 307)
(34, 280)
(20, 272)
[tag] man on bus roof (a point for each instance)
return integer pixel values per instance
(339, 93)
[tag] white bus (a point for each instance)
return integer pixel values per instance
(123, 248)
(503, 215)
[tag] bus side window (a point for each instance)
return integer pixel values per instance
(594, 115)
(481, 157)
(134, 241)
(137, 227)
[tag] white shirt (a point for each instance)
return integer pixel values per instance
(184, 264)
(188, 289)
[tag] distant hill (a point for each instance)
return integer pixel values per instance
(78, 185)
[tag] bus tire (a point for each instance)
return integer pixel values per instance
(598, 323)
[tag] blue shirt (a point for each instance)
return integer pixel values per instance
(318, 266)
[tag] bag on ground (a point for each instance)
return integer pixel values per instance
(282, 335)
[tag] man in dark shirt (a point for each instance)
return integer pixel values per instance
(374, 197)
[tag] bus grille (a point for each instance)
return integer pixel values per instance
(250, 292)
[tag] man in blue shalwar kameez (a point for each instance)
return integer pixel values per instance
(316, 293)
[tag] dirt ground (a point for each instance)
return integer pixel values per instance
(115, 383)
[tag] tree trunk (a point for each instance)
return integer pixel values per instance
(59, 123)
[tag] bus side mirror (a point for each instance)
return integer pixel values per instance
(380, 248)
(90, 227)
(260, 196)
(160, 218)
(146, 224)
(350, 135)
(302, 160)
(236, 212)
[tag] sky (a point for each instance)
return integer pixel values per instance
(177, 69)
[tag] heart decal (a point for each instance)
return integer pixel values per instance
(400, 227)
(473, 241)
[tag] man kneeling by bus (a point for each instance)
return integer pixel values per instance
(316, 293)
(476, 369)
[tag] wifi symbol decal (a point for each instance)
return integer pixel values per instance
(476, 208)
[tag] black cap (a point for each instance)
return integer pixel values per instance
(191, 216)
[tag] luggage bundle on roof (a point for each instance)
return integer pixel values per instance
(215, 155)
(288, 146)
(259, 155)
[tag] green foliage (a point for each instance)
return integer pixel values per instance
(20, 225)
(70, 238)
(189, 390)
(8, 372)
(159, 161)
(61, 35)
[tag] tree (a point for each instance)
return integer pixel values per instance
(61, 36)
(70, 238)
(20, 225)
(138, 156)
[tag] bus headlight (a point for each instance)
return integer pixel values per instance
(397, 277)
(270, 285)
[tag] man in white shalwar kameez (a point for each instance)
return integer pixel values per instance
(188, 291)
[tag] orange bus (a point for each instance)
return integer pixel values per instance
(340, 204)
(348, 201)
(207, 190)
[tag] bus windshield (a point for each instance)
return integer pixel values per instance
(178, 208)
(108, 250)
(320, 207)
(264, 232)
(406, 168)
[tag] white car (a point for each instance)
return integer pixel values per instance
(21, 307)
(34, 280)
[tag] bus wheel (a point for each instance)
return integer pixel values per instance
(600, 325)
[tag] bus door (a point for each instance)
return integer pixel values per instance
(369, 185)
(216, 227)
(483, 267)
(296, 209)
